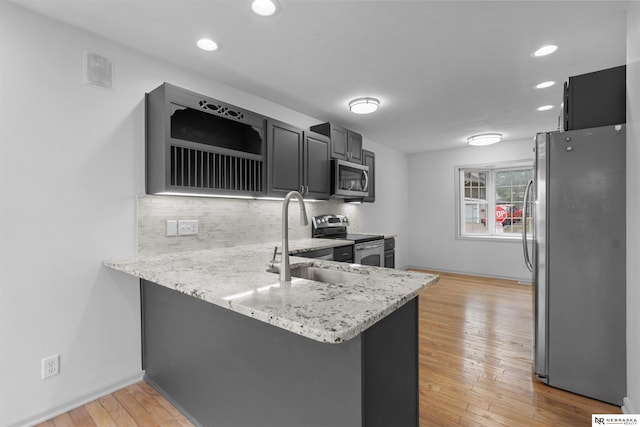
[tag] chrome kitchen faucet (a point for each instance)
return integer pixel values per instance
(285, 269)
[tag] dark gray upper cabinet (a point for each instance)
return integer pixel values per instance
(345, 144)
(199, 145)
(354, 146)
(369, 159)
(297, 161)
(338, 137)
(317, 166)
(284, 158)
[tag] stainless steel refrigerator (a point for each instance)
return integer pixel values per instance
(578, 260)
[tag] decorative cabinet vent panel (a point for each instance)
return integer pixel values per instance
(221, 109)
(199, 145)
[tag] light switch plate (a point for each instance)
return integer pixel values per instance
(172, 227)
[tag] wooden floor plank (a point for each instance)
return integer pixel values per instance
(81, 417)
(117, 412)
(157, 412)
(99, 414)
(63, 420)
(160, 399)
(137, 412)
(475, 362)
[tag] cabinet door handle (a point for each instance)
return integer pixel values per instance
(306, 189)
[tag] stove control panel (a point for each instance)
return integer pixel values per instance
(328, 221)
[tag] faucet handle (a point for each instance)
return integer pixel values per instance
(275, 252)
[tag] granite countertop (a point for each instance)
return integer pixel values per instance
(236, 278)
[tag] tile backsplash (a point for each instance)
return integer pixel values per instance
(226, 222)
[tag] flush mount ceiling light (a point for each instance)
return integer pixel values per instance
(484, 139)
(545, 50)
(544, 85)
(264, 7)
(545, 108)
(364, 105)
(207, 44)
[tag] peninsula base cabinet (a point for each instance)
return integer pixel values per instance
(222, 368)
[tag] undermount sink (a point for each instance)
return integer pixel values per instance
(324, 275)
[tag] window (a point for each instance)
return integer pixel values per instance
(492, 189)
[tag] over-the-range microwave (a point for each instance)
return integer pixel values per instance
(349, 179)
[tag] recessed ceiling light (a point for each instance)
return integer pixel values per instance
(544, 85)
(545, 108)
(264, 7)
(364, 105)
(484, 139)
(545, 50)
(207, 44)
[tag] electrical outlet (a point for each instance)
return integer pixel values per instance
(187, 227)
(50, 366)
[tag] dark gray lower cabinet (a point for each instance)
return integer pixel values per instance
(297, 161)
(222, 368)
(343, 253)
(390, 252)
(326, 253)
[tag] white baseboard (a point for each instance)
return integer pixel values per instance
(89, 397)
(521, 280)
(626, 406)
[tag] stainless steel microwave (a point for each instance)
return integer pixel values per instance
(349, 179)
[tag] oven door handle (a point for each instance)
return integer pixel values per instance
(362, 248)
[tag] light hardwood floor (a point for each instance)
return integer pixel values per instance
(133, 406)
(476, 368)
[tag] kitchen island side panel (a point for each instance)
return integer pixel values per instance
(390, 352)
(224, 368)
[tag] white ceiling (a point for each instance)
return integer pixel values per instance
(443, 70)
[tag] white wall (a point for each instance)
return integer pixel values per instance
(633, 208)
(389, 214)
(69, 173)
(71, 167)
(432, 214)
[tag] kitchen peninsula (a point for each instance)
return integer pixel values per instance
(230, 345)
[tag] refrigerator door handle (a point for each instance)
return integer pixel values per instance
(525, 247)
(539, 207)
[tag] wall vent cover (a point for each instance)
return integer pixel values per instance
(98, 70)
